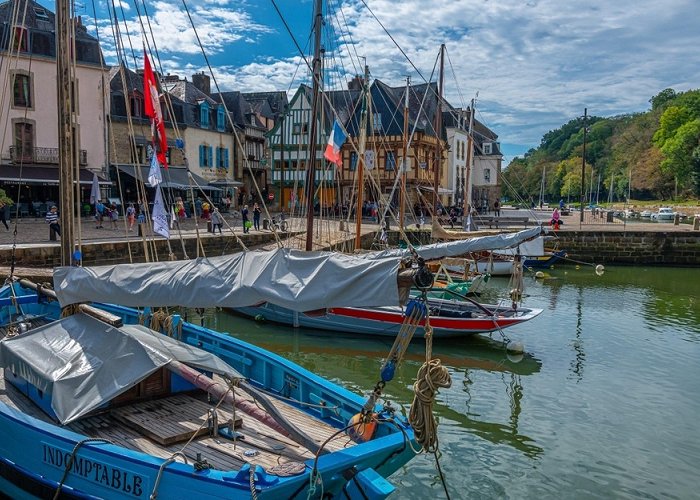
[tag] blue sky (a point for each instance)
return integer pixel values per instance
(535, 64)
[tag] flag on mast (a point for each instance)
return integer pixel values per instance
(154, 177)
(153, 111)
(160, 215)
(335, 142)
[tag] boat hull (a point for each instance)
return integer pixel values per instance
(384, 321)
(545, 261)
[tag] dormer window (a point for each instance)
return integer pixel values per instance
(204, 114)
(221, 118)
(136, 105)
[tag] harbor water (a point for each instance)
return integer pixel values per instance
(603, 403)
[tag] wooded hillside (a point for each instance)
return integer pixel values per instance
(658, 149)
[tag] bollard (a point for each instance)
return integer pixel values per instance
(210, 227)
(141, 230)
(676, 219)
(696, 224)
(266, 224)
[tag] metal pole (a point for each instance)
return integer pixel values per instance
(583, 159)
(403, 168)
(311, 168)
(361, 160)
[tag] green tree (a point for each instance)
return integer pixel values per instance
(662, 98)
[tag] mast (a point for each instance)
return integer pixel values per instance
(438, 132)
(311, 170)
(583, 159)
(404, 162)
(67, 141)
(544, 170)
(361, 160)
(468, 173)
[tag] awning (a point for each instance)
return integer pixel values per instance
(42, 175)
(173, 177)
(441, 190)
(223, 183)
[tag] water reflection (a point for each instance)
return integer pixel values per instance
(354, 362)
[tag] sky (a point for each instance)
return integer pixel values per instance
(531, 65)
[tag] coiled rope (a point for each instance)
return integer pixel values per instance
(431, 376)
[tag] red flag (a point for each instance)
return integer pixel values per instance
(152, 109)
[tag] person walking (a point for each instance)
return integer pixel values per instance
(244, 217)
(256, 217)
(114, 216)
(52, 220)
(497, 208)
(99, 214)
(216, 221)
(131, 216)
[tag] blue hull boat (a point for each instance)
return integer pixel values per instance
(106, 455)
(544, 262)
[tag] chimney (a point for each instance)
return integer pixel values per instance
(202, 82)
(356, 83)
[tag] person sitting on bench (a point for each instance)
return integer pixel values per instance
(52, 220)
(555, 222)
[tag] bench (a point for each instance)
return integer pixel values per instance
(501, 221)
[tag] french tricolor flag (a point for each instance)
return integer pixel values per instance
(335, 142)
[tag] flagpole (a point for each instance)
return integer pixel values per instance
(361, 162)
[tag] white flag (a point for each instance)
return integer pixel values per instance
(160, 215)
(369, 159)
(95, 191)
(154, 177)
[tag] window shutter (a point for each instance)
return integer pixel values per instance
(210, 157)
(201, 155)
(218, 157)
(226, 158)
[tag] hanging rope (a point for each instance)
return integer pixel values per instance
(431, 376)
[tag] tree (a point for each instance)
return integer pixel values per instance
(662, 98)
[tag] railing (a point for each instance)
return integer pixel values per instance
(19, 154)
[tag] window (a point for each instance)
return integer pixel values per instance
(220, 118)
(296, 129)
(204, 114)
(205, 156)
(353, 160)
(42, 44)
(41, 14)
(487, 148)
(24, 141)
(377, 122)
(19, 42)
(487, 174)
(136, 105)
(22, 91)
(222, 158)
(390, 163)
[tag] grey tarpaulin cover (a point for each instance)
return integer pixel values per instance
(84, 362)
(297, 280)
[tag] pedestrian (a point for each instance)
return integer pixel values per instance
(205, 210)
(497, 208)
(3, 215)
(113, 215)
(99, 214)
(52, 220)
(244, 217)
(131, 216)
(216, 220)
(227, 203)
(256, 217)
(561, 204)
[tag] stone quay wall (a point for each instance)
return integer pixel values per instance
(632, 247)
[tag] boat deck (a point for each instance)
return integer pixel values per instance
(174, 419)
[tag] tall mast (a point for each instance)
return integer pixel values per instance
(404, 163)
(361, 159)
(468, 172)
(583, 160)
(438, 132)
(67, 141)
(311, 169)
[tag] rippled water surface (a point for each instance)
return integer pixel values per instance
(604, 403)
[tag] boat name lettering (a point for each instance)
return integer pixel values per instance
(100, 473)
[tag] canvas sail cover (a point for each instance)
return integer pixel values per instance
(83, 362)
(297, 280)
